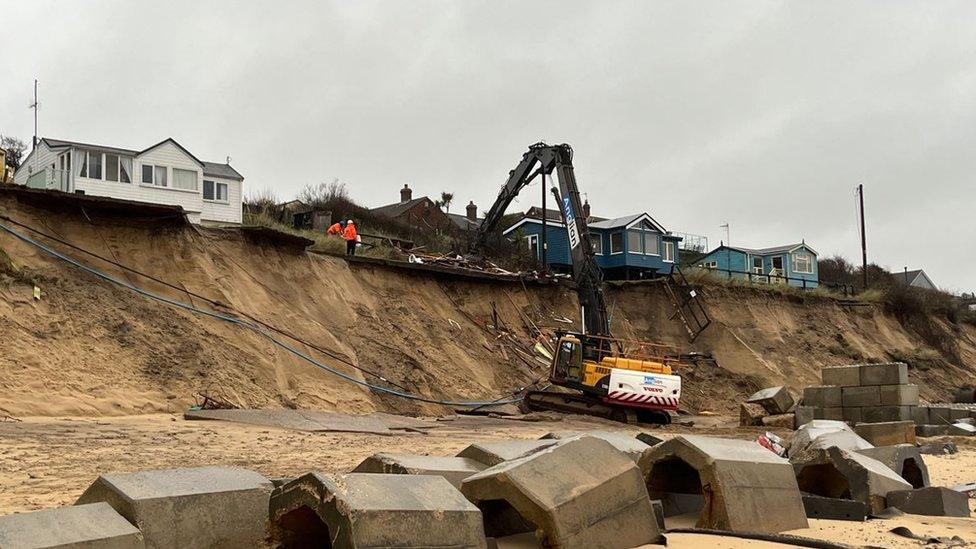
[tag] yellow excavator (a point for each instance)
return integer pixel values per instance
(619, 379)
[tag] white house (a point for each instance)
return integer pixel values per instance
(165, 173)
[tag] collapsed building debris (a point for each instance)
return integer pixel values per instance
(734, 484)
(374, 510)
(198, 507)
(932, 500)
(843, 474)
(95, 525)
(579, 492)
(454, 469)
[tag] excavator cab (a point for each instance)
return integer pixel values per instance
(568, 362)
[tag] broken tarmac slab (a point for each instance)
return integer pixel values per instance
(624, 442)
(775, 400)
(454, 469)
(360, 510)
(579, 492)
(741, 486)
(905, 460)
(198, 507)
(837, 473)
(819, 507)
(92, 526)
(493, 452)
(933, 501)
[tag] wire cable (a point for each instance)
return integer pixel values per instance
(250, 326)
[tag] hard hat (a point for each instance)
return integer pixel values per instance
(350, 221)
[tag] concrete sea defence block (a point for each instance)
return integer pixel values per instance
(931, 430)
(831, 414)
(454, 469)
(837, 473)
(496, 451)
(775, 400)
(821, 434)
(780, 420)
(841, 376)
(887, 433)
(905, 460)
(374, 510)
(899, 395)
(934, 501)
(965, 395)
(91, 526)
(884, 414)
(629, 445)
(189, 508)
(741, 485)
(862, 396)
(940, 415)
(889, 373)
(579, 492)
(958, 413)
(751, 414)
(920, 415)
(803, 415)
(962, 430)
(825, 396)
(852, 414)
(820, 507)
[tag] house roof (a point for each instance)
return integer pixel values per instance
(463, 222)
(214, 169)
(909, 277)
(627, 221)
(394, 210)
(766, 251)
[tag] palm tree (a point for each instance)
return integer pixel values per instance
(445, 201)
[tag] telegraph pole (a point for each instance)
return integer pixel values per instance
(864, 246)
(34, 106)
(545, 216)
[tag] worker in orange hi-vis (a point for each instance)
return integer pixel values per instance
(351, 236)
(335, 228)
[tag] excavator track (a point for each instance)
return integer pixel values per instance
(570, 403)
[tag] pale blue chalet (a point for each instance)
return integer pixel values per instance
(793, 264)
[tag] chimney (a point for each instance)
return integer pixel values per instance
(405, 193)
(586, 209)
(472, 211)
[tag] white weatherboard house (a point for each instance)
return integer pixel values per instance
(165, 173)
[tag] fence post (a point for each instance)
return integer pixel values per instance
(804, 283)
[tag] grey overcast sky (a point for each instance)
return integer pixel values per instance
(762, 114)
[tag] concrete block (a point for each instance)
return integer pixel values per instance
(92, 526)
(821, 434)
(579, 492)
(966, 395)
(454, 469)
(496, 451)
(837, 473)
(962, 430)
(852, 414)
(748, 488)
(831, 414)
(958, 413)
(198, 507)
(937, 448)
(819, 507)
(887, 433)
(861, 396)
(905, 460)
(940, 415)
(890, 373)
(920, 415)
(803, 415)
(750, 414)
(374, 510)
(825, 396)
(884, 414)
(931, 430)
(623, 442)
(899, 395)
(933, 501)
(776, 400)
(780, 420)
(841, 376)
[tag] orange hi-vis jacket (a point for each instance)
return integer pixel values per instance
(350, 232)
(335, 228)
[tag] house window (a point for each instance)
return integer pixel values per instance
(154, 175)
(802, 263)
(533, 242)
(111, 167)
(184, 179)
(757, 265)
(651, 243)
(634, 242)
(92, 169)
(214, 191)
(711, 265)
(778, 263)
(668, 251)
(597, 241)
(616, 243)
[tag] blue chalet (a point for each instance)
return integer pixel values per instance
(795, 264)
(630, 247)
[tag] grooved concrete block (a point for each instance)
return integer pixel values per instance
(837, 473)
(904, 459)
(493, 452)
(834, 508)
(830, 414)
(775, 400)
(861, 396)
(749, 488)
(958, 413)
(198, 507)
(888, 433)
(841, 376)
(454, 469)
(629, 445)
(920, 415)
(933, 501)
(931, 430)
(890, 373)
(852, 414)
(940, 415)
(826, 396)
(579, 492)
(899, 395)
(803, 415)
(374, 510)
(751, 414)
(883, 414)
(93, 526)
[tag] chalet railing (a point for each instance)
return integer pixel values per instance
(775, 277)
